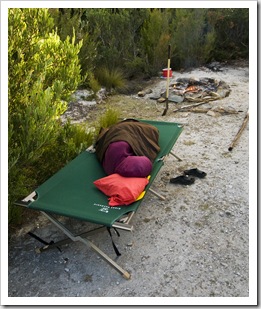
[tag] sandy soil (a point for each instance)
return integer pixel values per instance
(193, 244)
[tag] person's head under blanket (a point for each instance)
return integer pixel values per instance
(128, 148)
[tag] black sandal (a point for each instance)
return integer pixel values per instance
(183, 180)
(195, 172)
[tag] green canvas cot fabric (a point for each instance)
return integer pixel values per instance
(71, 192)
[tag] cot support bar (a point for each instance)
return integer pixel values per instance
(174, 155)
(157, 194)
(88, 243)
(65, 241)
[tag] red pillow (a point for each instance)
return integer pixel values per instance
(121, 190)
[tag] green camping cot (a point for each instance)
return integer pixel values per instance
(71, 193)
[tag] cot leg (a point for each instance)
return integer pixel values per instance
(174, 155)
(157, 194)
(123, 272)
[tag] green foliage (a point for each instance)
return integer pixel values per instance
(71, 140)
(112, 32)
(136, 40)
(43, 73)
(155, 38)
(70, 22)
(232, 33)
(193, 41)
(23, 179)
(137, 67)
(94, 84)
(20, 184)
(110, 117)
(111, 37)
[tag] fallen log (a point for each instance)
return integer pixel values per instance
(241, 129)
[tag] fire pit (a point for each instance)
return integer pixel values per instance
(197, 90)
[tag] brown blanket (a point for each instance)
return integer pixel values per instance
(142, 137)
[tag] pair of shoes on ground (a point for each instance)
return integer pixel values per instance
(187, 178)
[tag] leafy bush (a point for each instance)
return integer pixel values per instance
(155, 38)
(43, 73)
(108, 118)
(232, 33)
(136, 68)
(193, 42)
(136, 40)
(71, 140)
(71, 22)
(94, 84)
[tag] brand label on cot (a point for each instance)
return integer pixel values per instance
(105, 208)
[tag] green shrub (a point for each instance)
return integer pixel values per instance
(231, 27)
(193, 42)
(137, 67)
(71, 22)
(155, 38)
(43, 72)
(94, 84)
(71, 139)
(110, 117)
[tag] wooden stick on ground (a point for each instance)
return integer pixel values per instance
(241, 129)
(188, 106)
(219, 111)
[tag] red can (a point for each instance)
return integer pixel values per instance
(165, 72)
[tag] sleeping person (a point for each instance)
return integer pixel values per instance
(128, 148)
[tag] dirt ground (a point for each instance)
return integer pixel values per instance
(193, 244)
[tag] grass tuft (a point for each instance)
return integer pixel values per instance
(111, 79)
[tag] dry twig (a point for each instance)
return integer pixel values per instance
(241, 129)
